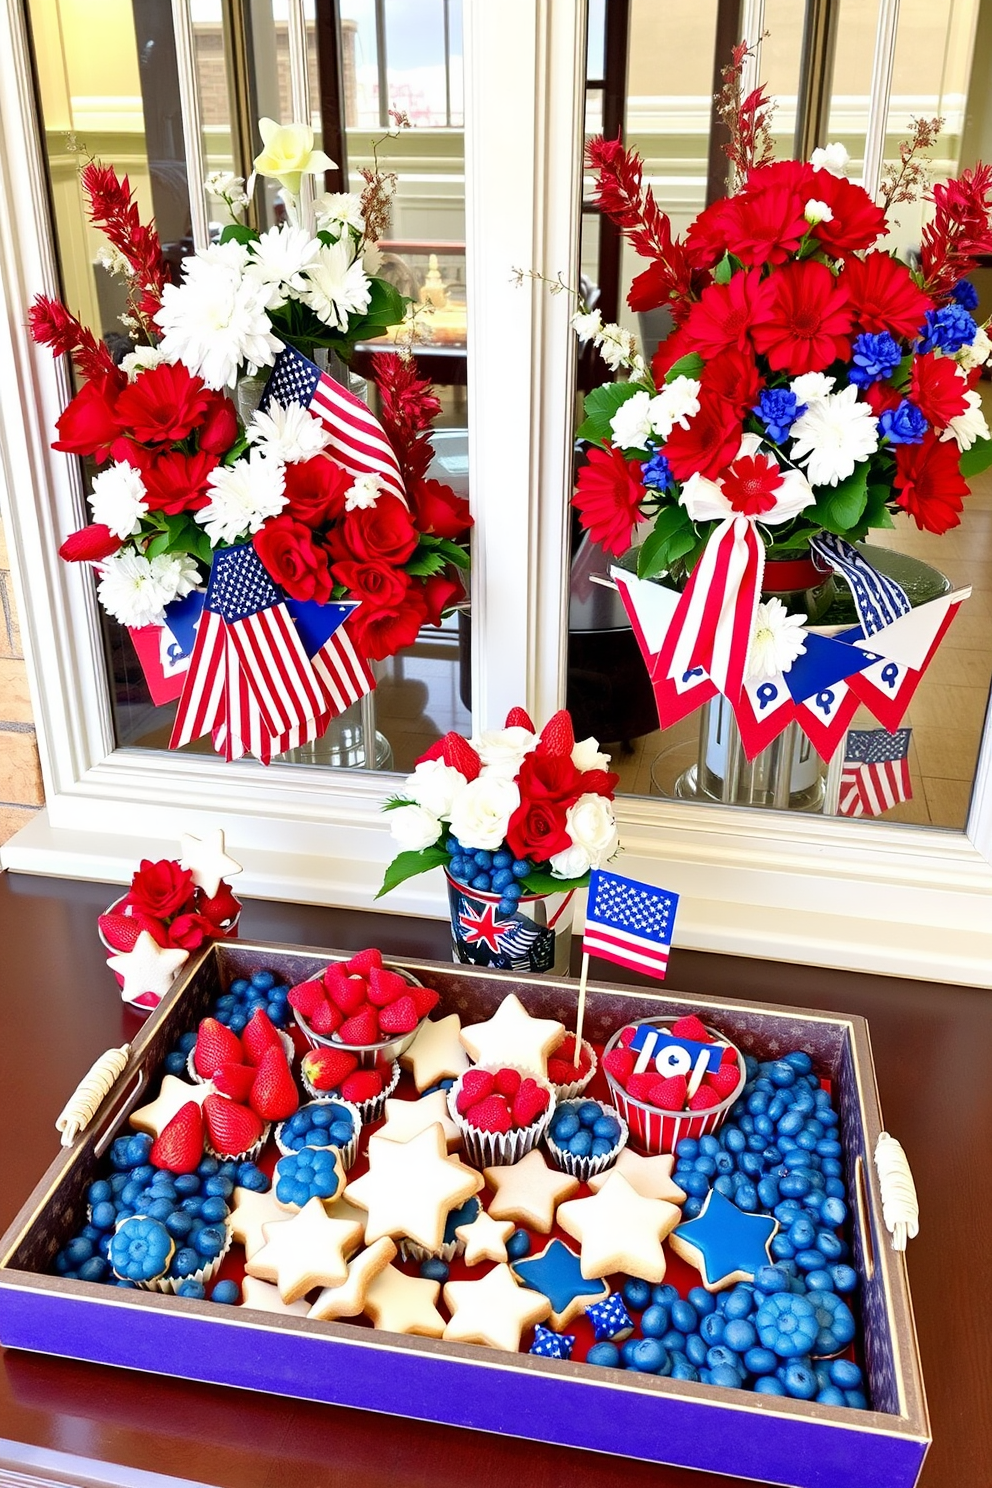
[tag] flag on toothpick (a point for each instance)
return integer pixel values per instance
(876, 772)
(629, 922)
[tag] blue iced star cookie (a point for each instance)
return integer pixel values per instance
(723, 1243)
(610, 1318)
(552, 1345)
(140, 1249)
(555, 1272)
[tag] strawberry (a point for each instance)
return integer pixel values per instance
(704, 1098)
(326, 1019)
(459, 754)
(179, 1145)
(476, 1085)
(306, 997)
(232, 1128)
(519, 718)
(639, 1087)
(425, 1000)
(274, 1095)
(507, 1082)
(530, 1102)
(386, 986)
(347, 993)
(363, 1085)
(234, 1080)
(690, 1027)
(119, 931)
(363, 962)
(729, 1056)
(670, 1094)
(398, 1017)
(259, 1036)
(326, 1068)
(620, 1064)
(557, 736)
(362, 1028)
(724, 1080)
(627, 1036)
(434, 753)
(491, 1115)
(215, 1045)
(562, 1071)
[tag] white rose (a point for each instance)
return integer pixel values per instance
(435, 786)
(586, 755)
(571, 863)
(502, 750)
(591, 826)
(482, 811)
(413, 827)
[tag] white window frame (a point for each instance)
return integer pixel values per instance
(866, 896)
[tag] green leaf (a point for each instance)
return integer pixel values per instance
(159, 544)
(978, 458)
(689, 365)
(876, 512)
(901, 375)
(396, 801)
(723, 270)
(673, 535)
(839, 508)
(454, 553)
(546, 883)
(600, 406)
(424, 563)
(235, 452)
(237, 232)
(407, 864)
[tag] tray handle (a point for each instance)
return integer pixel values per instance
(900, 1207)
(90, 1093)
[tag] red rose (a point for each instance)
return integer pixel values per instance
(438, 509)
(175, 482)
(376, 583)
(537, 830)
(936, 389)
(294, 560)
(190, 931)
(884, 296)
(439, 592)
(90, 424)
(381, 633)
(163, 404)
(608, 496)
(89, 544)
(931, 486)
(710, 442)
(315, 490)
(803, 319)
(549, 777)
(383, 531)
(161, 890)
(219, 429)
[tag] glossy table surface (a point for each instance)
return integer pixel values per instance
(68, 1423)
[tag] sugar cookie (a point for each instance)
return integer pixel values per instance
(512, 1036)
(304, 1252)
(723, 1243)
(249, 1212)
(485, 1238)
(529, 1191)
(348, 1300)
(264, 1297)
(557, 1274)
(436, 1053)
(619, 1230)
(651, 1177)
(408, 1118)
(410, 1187)
(174, 1094)
(404, 1304)
(493, 1311)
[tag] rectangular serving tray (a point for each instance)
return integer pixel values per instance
(798, 1443)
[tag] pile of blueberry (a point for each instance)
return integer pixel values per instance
(264, 990)
(490, 872)
(310, 1173)
(585, 1128)
(317, 1124)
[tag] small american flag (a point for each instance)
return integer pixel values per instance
(358, 440)
(876, 772)
(629, 922)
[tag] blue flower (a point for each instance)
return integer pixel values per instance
(778, 409)
(874, 358)
(947, 329)
(903, 425)
(656, 474)
(966, 295)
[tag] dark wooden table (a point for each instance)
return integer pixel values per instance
(62, 1422)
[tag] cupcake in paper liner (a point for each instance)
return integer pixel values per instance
(325, 1122)
(286, 1039)
(357, 1089)
(143, 1252)
(501, 1111)
(308, 1173)
(568, 1082)
(451, 1245)
(585, 1137)
(250, 1154)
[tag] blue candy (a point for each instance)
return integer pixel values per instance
(518, 1245)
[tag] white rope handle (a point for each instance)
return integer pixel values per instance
(900, 1207)
(90, 1093)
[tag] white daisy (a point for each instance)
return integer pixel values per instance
(631, 424)
(278, 260)
(675, 405)
(832, 158)
(363, 494)
(337, 209)
(778, 638)
(970, 425)
(586, 324)
(335, 287)
(135, 590)
(833, 436)
(215, 321)
(976, 354)
(812, 385)
(243, 497)
(139, 360)
(289, 434)
(118, 499)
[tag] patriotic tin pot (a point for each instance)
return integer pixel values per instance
(536, 938)
(366, 1054)
(655, 1131)
(145, 1002)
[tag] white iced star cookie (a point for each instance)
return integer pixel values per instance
(404, 1304)
(407, 1118)
(174, 1094)
(529, 1191)
(493, 1311)
(348, 1300)
(512, 1036)
(304, 1252)
(651, 1177)
(264, 1297)
(436, 1053)
(411, 1187)
(149, 968)
(207, 861)
(485, 1238)
(619, 1230)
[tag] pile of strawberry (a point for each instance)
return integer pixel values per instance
(337, 1070)
(500, 1100)
(672, 1093)
(164, 900)
(561, 1064)
(362, 1002)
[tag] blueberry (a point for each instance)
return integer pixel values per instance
(703, 1302)
(240, 986)
(208, 1167)
(210, 1240)
(688, 1149)
(655, 1321)
(683, 1316)
(434, 1269)
(238, 1023)
(95, 1269)
(648, 1356)
(607, 1355)
(138, 1148)
(226, 1292)
(214, 1210)
(518, 1246)
(520, 867)
(739, 1303)
(845, 1278)
(696, 1349)
(179, 1224)
(769, 1384)
(501, 878)
(99, 1192)
(78, 1251)
(507, 907)
(175, 1063)
(581, 1144)
(192, 1289)
(482, 882)
(263, 980)
(104, 1215)
(760, 1361)
(185, 1261)
(483, 859)
(739, 1335)
(799, 1380)
(692, 1207)
(727, 1376)
(712, 1328)
(637, 1294)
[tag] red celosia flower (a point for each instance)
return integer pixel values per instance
(769, 224)
(161, 889)
(407, 409)
(294, 559)
(937, 389)
(315, 490)
(802, 319)
(381, 633)
(52, 325)
(884, 296)
(857, 221)
(724, 315)
(750, 483)
(438, 509)
(931, 486)
(163, 404)
(113, 210)
(89, 544)
(439, 593)
(90, 424)
(734, 376)
(960, 232)
(710, 442)
(175, 482)
(608, 498)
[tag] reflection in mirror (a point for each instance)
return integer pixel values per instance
(664, 67)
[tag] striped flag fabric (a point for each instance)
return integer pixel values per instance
(358, 440)
(629, 922)
(876, 772)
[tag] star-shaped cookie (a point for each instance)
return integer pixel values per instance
(404, 1304)
(485, 1238)
(557, 1275)
(436, 1053)
(174, 1094)
(512, 1036)
(249, 1212)
(408, 1118)
(493, 1310)
(724, 1243)
(410, 1187)
(529, 1191)
(651, 1177)
(304, 1252)
(264, 1297)
(207, 861)
(619, 1230)
(348, 1300)
(149, 967)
